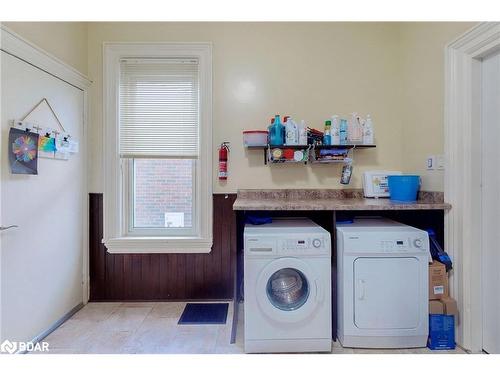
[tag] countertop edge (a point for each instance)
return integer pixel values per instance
(330, 200)
(277, 205)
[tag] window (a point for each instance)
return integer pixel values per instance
(157, 148)
(158, 121)
(162, 193)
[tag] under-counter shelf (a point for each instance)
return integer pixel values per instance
(310, 150)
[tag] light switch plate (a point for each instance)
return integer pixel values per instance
(431, 162)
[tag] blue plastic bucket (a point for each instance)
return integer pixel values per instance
(403, 188)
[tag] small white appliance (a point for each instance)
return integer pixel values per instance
(287, 278)
(375, 184)
(382, 269)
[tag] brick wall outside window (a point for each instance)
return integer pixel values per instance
(162, 185)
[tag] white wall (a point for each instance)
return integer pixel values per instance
(422, 58)
(308, 70)
(65, 40)
(393, 71)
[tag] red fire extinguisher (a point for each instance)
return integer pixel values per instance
(223, 154)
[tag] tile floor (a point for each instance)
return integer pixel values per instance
(151, 327)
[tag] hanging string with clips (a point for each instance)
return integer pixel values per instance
(56, 133)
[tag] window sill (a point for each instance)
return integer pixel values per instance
(158, 245)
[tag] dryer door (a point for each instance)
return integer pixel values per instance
(287, 290)
(387, 293)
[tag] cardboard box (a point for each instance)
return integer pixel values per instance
(450, 307)
(436, 307)
(438, 281)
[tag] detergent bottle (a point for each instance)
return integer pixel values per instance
(291, 136)
(276, 132)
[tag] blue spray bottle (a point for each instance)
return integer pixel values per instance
(343, 132)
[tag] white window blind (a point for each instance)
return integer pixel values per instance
(159, 108)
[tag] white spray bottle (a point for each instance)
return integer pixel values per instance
(291, 134)
(302, 133)
(335, 130)
(354, 132)
(368, 131)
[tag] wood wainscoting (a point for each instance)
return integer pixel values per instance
(145, 277)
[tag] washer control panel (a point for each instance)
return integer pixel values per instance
(304, 245)
(294, 237)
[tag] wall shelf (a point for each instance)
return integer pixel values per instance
(311, 149)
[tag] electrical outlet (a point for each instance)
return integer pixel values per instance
(440, 162)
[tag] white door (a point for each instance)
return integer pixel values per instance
(490, 139)
(387, 293)
(41, 260)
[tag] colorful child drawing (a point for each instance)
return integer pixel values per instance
(23, 151)
(47, 144)
(46, 147)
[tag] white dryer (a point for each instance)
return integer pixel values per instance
(287, 278)
(382, 269)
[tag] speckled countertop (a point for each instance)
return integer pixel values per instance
(330, 200)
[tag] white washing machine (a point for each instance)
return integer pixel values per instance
(287, 277)
(382, 269)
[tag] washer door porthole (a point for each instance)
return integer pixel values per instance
(287, 289)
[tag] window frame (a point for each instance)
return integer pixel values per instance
(116, 236)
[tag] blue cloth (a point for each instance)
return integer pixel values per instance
(258, 218)
(437, 252)
(347, 221)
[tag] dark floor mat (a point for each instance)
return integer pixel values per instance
(204, 313)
